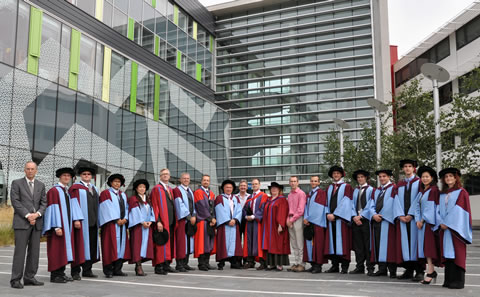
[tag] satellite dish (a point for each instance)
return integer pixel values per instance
(378, 105)
(341, 123)
(434, 72)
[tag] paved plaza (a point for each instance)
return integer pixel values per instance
(238, 282)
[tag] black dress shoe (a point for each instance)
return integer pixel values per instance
(235, 266)
(358, 271)
(58, 280)
(161, 271)
(16, 285)
(380, 273)
(220, 268)
(189, 268)
(406, 275)
(418, 277)
(67, 278)
(316, 270)
(333, 269)
(261, 267)
(456, 285)
(32, 282)
(169, 269)
(121, 273)
(89, 274)
(309, 269)
(181, 269)
(203, 268)
(108, 275)
(370, 273)
(76, 277)
(344, 271)
(210, 267)
(393, 275)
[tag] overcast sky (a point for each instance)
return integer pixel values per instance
(410, 21)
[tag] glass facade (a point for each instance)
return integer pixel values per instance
(161, 27)
(284, 72)
(68, 100)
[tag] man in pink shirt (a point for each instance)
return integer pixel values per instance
(296, 205)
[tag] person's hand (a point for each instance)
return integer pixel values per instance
(231, 223)
(305, 222)
(280, 229)
(331, 217)
(377, 218)
(149, 224)
(358, 220)
(193, 220)
(159, 227)
(32, 222)
(214, 221)
(403, 219)
(119, 222)
(249, 218)
(408, 219)
(420, 225)
(145, 225)
(77, 225)
(289, 224)
(443, 226)
(58, 232)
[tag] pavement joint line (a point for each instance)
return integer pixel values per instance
(211, 289)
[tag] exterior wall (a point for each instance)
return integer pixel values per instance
(67, 99)
(457, 63)
(286, 69)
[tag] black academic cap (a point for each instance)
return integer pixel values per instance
(190, 229)
(61, 171)
(89, 169)
(308, 232)
(362, 172)
(160, 238)
(428, 169)
(275, 185)
(336, 168)
(141, 182)
(408, 161)
(450, 170)
(386, 171)
(228, 181)
(115, 176)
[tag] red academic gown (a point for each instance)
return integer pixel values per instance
(141, 242)
(159, 196)
(276, 213)
(203, 242)
(60, 213)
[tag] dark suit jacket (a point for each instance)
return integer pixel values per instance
(24, 202)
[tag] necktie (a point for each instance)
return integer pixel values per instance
(169, 193)
(31, 187)
(90, 189)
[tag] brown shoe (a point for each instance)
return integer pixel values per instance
(299, 268)
(261, 267)
(293, 268)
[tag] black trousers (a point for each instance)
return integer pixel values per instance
(182, 263)
(361, 244)
(454, 275)
(60, 272)
(113, 268)
(203, 260)
(412, 266)
(87, 266)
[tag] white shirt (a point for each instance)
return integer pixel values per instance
(242, 199)
(164, 185)
(231, 203)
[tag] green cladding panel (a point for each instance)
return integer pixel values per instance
(179, 59)
(133, 87)
(34, 40)
(131, 28)
(156, 100)
(74, 59)
(199, 72)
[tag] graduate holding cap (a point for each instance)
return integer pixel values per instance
(140, 218)
(112, 219)
(338, 243)
(87, 195)
(455, 222)
(62, 225)
(315, 224)
(228, 211)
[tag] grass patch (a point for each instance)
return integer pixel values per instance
(6, 232)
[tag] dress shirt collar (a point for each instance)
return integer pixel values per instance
(386, 185)
(28, 181)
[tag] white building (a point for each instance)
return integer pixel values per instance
(456, 47)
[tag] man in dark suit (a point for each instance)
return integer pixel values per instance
(29, 203)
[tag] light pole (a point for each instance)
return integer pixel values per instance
(379, 107)
(436, 74)
(341, 125)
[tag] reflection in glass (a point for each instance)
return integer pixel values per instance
(23, 24)
(8, 16)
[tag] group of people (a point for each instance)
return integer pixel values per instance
(411, 224)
